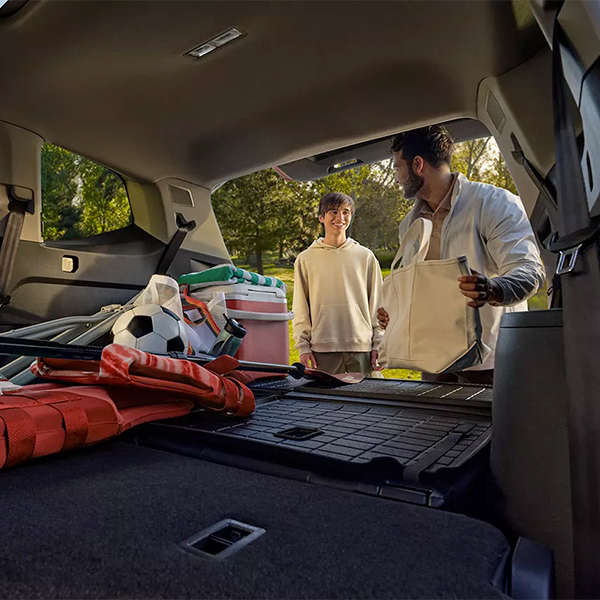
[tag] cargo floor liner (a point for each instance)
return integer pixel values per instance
(108, 521)
(468, 396)
(415, 454)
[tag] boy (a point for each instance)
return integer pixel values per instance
(337, 290)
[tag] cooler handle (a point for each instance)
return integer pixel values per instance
(259, 316)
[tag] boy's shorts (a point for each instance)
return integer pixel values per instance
(346, 362)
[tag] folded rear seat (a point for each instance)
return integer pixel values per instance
(108, 521)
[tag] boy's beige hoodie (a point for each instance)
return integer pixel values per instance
(337, 292)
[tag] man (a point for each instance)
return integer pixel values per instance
(487, 224)
(337, 290)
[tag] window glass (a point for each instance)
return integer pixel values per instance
(80, 198)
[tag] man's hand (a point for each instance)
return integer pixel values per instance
(374, 363)
(308, 360)
(382, 318)
(480, 289)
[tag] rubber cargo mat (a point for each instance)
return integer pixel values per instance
(389, 389)
(404, 446)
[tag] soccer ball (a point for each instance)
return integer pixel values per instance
(151, 328)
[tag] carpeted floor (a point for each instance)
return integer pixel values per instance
(106, 523)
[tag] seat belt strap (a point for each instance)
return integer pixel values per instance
(171, 249)
(20, 201)
(580, 286)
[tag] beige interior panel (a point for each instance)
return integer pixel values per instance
(147, 208)
(524, 95)
(20, 165)
(206, 237)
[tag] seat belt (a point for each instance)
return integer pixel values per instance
(579, 271)
(20, 201)
(170, 251)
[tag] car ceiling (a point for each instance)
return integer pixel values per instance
(110, 80)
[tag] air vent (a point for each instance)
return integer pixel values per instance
(222, 539)
(181, 196)
(298, 433)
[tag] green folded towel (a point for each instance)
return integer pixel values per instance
(231, 274)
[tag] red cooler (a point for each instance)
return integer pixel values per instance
(264, 313)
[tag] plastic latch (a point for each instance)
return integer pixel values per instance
(567, 259)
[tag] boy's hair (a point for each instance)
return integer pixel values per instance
(433, 144)
(334, 200)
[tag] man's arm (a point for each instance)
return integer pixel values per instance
(301, 324)
(511, 244)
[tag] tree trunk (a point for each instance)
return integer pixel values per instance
(280, 250)
(259, 262)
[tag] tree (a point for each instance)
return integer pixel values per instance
(470, 158)
(104, 201)
(262, 212)
(60, 212)
(80, 198)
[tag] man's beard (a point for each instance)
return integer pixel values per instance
(413, 185)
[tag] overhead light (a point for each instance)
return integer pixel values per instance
(346, 163)
(214, 43)
(202, 50)
(228, 36)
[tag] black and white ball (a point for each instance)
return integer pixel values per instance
(151, 328)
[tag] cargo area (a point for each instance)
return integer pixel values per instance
(108, 522)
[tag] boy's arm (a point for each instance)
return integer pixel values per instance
(375, 301)
(302, 326)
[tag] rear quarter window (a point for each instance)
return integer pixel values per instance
(80, 198)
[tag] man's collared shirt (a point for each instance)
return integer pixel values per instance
(437, 218)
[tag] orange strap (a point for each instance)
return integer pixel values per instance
(75, 423)
(20, 435)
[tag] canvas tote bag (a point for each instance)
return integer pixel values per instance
(431, 328)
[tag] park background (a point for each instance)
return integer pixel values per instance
(265, 219)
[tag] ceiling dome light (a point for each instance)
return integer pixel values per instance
(216, 42)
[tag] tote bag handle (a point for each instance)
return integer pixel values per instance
(420, 230)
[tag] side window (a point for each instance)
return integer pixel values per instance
(80, 198)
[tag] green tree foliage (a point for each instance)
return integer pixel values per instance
(262, 212)
(80, 198)
(481, 160)
(60, 212)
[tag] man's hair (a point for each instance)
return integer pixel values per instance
(433, 144)
(334, 200)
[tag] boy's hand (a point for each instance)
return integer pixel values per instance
(374, 363)
(382, 318)
(308, 360)
(480, 289)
